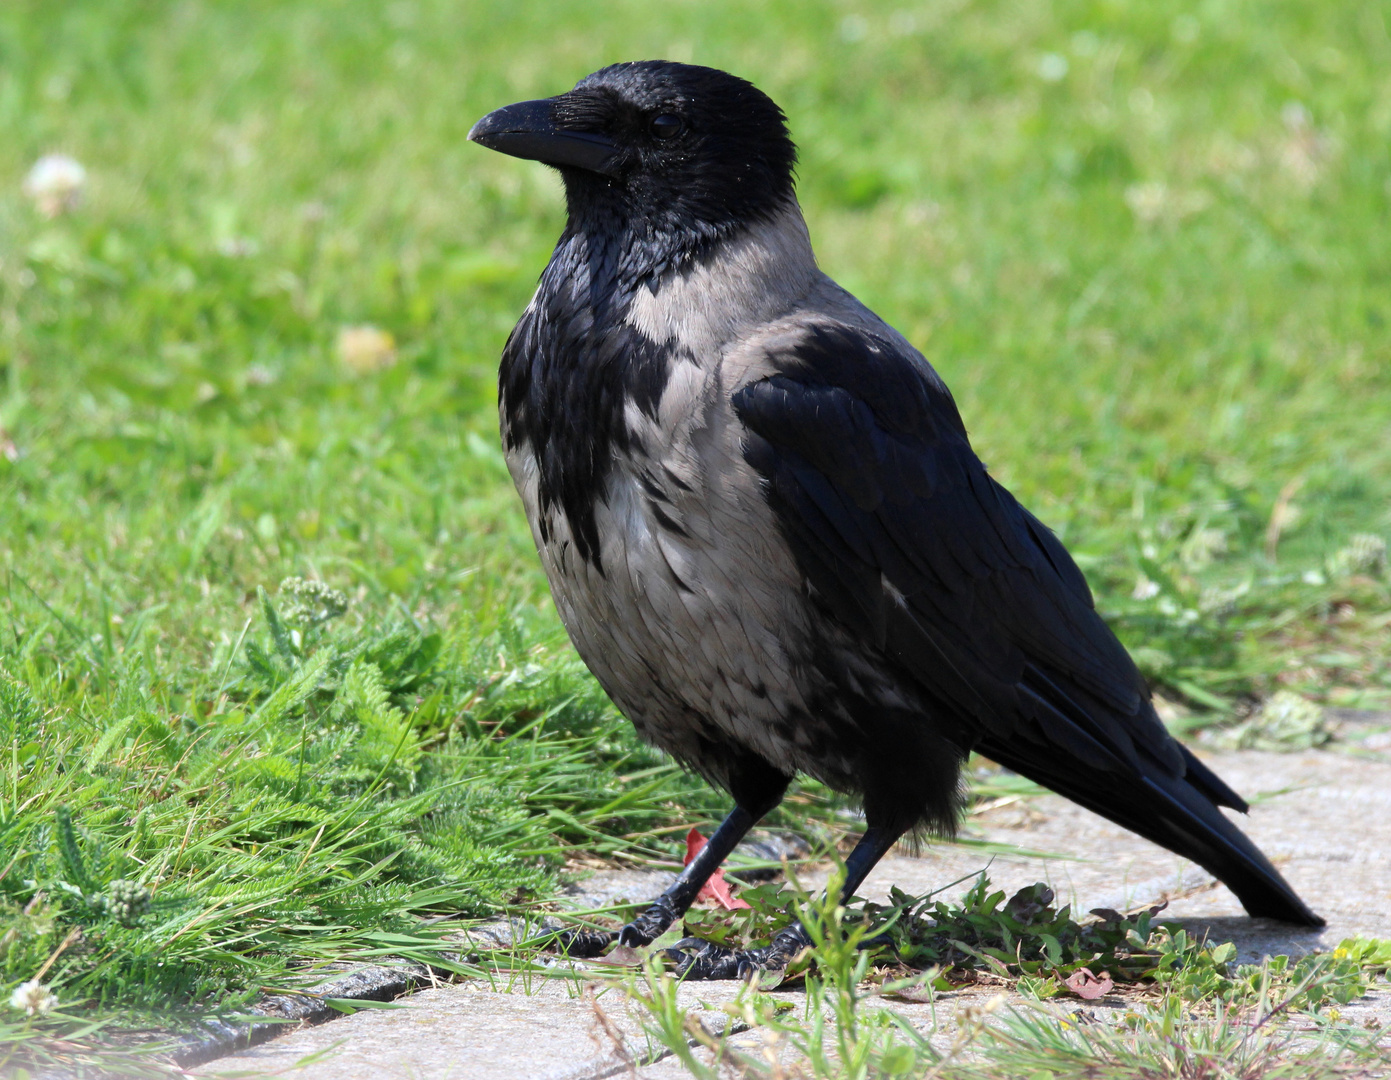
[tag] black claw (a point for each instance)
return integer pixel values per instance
(645, 929)
(786, 947)
(635, 936)
(649, 926)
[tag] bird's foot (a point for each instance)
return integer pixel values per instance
(643, 930)
(583, 944)
(699, 959)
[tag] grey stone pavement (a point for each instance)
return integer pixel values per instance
(1323, 817)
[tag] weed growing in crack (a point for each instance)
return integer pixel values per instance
(836, 1035)
(1026, 940)
(1170, 1006)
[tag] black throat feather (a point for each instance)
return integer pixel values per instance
(573, 363)
(569, 369)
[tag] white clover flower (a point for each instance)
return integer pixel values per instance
(1145, 589)
(55, 184)
(33, 997)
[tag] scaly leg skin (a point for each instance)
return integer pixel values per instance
(718, 962)
(672, 904)
(700, 959)
(757, 788)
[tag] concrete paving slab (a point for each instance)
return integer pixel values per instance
(1325, 818)
(541, 1030)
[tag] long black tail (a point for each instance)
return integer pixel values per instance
(1181, 814)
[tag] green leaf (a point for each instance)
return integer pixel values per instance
(68, 847)
(295, 691)
(281, 636)
(898, 1060)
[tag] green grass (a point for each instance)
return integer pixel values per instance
(1145, 244)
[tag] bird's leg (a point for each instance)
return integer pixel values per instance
(717, 962)
(672, 904)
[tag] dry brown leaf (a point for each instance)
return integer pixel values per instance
(1088, 986)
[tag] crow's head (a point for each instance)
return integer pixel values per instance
(656, 148)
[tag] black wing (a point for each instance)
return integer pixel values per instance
(907, 541)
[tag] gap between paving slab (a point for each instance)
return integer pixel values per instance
(1330, 831)
(215, 1039)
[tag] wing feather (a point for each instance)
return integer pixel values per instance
(886, 505)
(905, 539)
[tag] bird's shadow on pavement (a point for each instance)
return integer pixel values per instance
(1257, 939)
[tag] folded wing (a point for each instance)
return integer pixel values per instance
(906, 540)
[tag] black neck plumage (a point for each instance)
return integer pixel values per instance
(573, 365)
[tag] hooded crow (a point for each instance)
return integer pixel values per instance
(765, 528)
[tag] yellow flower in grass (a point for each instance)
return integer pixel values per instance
(365, 349)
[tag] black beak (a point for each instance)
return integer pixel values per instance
(528, 130)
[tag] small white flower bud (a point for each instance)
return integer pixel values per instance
(55, 184)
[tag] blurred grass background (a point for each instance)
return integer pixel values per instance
(1146, 245)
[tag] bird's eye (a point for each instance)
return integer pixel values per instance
(666, 126)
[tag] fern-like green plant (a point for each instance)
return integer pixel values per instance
(74, 864)
(278, 633)
(387, 742)
(19, 713)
